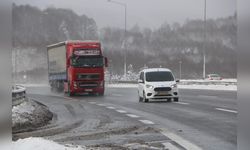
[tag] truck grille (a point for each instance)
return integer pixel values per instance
(163, 89)
(88, 85)
(88, 76)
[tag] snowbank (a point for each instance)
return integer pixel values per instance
(41, 144)
(29, 115)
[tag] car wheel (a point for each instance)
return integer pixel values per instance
(140, 99)
(145, 100)
(176, 99)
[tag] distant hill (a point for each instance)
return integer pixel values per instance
(170, 44)
(166, 46)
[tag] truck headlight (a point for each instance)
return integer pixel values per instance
(149, 86)
(101, 84)
(174, 86)
(75, 85)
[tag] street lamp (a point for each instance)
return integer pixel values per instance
(204, 42)
(125, 33)
(180, 62)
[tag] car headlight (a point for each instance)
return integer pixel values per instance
(174, 86)
(149, 86)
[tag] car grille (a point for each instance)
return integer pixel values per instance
(163, 95)
(89, 76)
(88, 85)
(163, 89)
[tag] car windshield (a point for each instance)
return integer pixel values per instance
(80, 61)
(159, 76)
(214, 75)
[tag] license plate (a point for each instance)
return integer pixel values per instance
(162, 93)
(88, 90)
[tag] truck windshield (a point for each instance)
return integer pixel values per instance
(159, 76)
(80, 61)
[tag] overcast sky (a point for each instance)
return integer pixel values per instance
(145, 13)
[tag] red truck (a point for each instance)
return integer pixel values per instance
(77, 67)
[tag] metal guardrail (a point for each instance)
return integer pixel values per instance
(207, 82)
(191, 82)
(18, 95)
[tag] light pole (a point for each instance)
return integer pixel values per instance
(180, 69)
(204, 42)
(125, 32)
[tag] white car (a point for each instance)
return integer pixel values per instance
(214, 77)
(157, 83)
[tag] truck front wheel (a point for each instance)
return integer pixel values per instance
(70, 94)
(101, 94)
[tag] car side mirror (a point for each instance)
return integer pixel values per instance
(140, 81)
(177, 81)
(106, 61)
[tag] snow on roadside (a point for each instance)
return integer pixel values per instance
(122, 85)
(41, 144)
(35, 85)
(30, 115)
(25, 108)
(210, 87)
(201, 80)
(192, 86)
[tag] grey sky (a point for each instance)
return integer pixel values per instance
(146, 13)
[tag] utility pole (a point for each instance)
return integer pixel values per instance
(204, 42)
(180, 62)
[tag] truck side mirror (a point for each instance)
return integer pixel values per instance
(140, 81)
(106, 61)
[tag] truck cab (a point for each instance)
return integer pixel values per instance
(84, 67)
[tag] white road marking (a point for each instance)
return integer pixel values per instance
(101, 104)
(184, 143)
(182, 103)
(118, 95)
(146, 121)
(132, 115)
(170, 146)
(121, 111)
(227, 110)
(111, 107)
(92, 102)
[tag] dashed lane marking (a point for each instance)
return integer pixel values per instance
(132, 115)
(146, 121)
(111, 107)
(92, 102)
(101, 104)
(227, 110)
(180, 141)
(121, 111)
(182, 103)
(117, 95)
(170, 146)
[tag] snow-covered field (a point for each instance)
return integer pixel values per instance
(41, 144)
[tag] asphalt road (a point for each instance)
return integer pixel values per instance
(206, 118)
